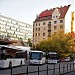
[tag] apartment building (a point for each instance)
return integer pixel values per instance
(15, 29)
(51, 21)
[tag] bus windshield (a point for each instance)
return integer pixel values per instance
(36, 55)
(52, 56)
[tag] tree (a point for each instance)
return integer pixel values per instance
(60, 43)
(29, 42)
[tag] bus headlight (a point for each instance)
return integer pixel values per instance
(40, 62)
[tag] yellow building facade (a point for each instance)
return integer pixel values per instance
(72, 22)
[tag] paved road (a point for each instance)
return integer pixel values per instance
(70, 73)
(32, 68)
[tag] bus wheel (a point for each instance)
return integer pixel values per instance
(21, 63)
(10, 64)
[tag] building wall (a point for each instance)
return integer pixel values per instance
(56, 26)
(58, 21)
(48, 30)
(15, 29)
(40, 31)
(68, 21)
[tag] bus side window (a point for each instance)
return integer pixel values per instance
(2, 56)
(8, 56)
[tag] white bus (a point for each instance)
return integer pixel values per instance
(37, 57)
(11, 56)
(52, 57)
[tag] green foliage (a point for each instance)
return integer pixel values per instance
(60, 43)
(29, 42)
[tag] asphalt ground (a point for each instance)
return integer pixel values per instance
(32, 68)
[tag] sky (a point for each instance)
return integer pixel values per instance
(26, 10)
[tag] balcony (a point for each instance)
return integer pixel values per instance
(49, 30)
(49, 24)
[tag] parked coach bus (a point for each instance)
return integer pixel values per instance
(37, 57)
(52, 57)
(11, 56)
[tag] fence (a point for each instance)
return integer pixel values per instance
(59, 69)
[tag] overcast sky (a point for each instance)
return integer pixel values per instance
(26, 10)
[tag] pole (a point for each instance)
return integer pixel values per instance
(47, 69)
(38, 70)
(27, 69)
(54, 70)
(59, 68)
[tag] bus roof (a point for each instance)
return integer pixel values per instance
(20, 48)
(10, 47)
(36, 51)
(24, 48)
(52, 53)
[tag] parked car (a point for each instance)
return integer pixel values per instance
(62, 60)
(67, 59)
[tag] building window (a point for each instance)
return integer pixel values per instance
(26, 25)
(61, 21)
(61, 27)
(33, 35)
(16, 22)
(6, 23)
(43, 34)
(10, 27)
(39, 24)
(55, 22)
(38, 34)
(43, 23)
(49, 23)
(36, 24)
(16, 29)
(56, 16)
(55, 27)
(38, 29)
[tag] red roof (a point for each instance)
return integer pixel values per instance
(63, 11)
(47, 13)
